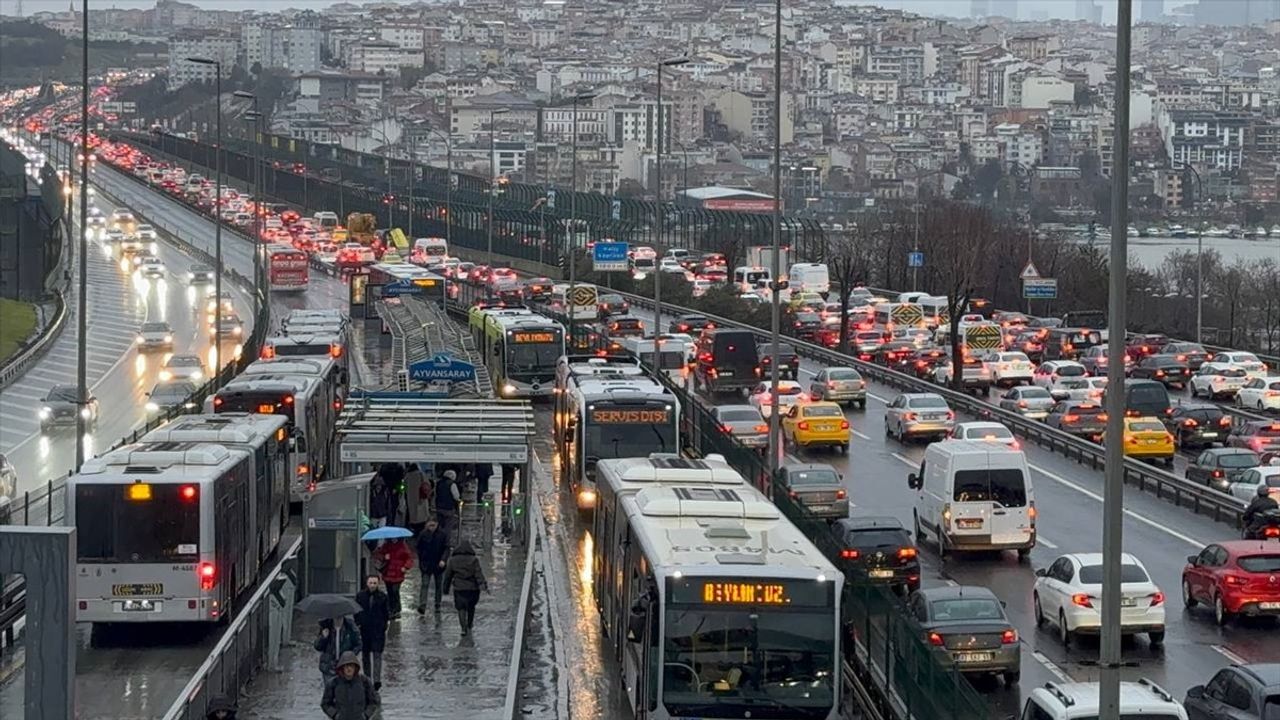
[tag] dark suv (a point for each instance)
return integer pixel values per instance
(727, 360)
(879, 550)
(788, 361)
(1198, 426)
(1239, 692)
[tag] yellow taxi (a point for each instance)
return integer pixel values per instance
(807, 299)
(1146, 438)
(816, 424)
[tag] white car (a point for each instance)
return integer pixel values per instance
(789, 393)
(1048, 374)
(700, 287)
(155, 335)
(98, 226)
(1214, 380)
(671, 265)
(1246, 361)
(1074, 388)
(989, 431)
(151, 267)
(183, 367)
(114, 237)
(1010, 368)
(1260, 393)
(147, 233)
(1068, 594)
(1246, 488)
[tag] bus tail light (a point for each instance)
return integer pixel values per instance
(335, 351)
(303, 469)
(208, 575)
(268, 352)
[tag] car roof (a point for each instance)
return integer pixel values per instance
(801, 467)
(980, 425)
(1245, 547)
(957, 592)
(871, 522)
(1095, 558)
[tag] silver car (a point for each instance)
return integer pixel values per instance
(839, 384)
(169, 394)
(744, 423)
(155, 336)
(1028, 401)
(918, 415)
(818, 487)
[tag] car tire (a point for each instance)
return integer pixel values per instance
(1064, 632)
(1156, 638)
(1220, 614)
(844, 449)
(1039, 612)
(1012, 677)
(862, 404)
(902, 434)
(887, 432)
(1260, 408)
(1188, 599)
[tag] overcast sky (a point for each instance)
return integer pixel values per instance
(1055, 8)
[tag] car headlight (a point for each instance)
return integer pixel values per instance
(166, 375)
(45, 412)
(168, 338)
(152, 407)
(85, 413)
(197, 375)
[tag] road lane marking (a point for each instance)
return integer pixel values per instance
(1040, 539)
(1050, 666)
(874, 396)
(907, 460)
(864, 437)
(1224, 652)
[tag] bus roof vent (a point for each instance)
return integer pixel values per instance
(667, 461)
(141, 470)
(740, 559)
(723, 531)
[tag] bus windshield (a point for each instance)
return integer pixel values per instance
(534, 355)
(262, 403)
(733, 662)
(624, 431)
(112, 528)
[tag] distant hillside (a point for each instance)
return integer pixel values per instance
(31, 52)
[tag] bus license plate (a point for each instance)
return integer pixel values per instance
(880, 574)
(970, 657)
(136, 589)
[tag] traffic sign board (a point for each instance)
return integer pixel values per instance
(442, 367)
(404, 286)
(1029, 271)
(915, 259)
(609, 256)
(1040, 288)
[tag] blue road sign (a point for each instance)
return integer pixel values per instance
(610, 257)
(915, 259)
(1040, 288)
(442, 367)
(396, 288)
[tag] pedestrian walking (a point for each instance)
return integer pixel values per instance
(433, 555)
(393, 560)
(508, 482)
(419, 491)
(220, 707)
(393, 474)
(380, 500)
(350, 695)
(464, 578)
(482, 472)
(374, 614)
(333, 640)
(449, 503)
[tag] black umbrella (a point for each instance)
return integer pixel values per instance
(328, 605)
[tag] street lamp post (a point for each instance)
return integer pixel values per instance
(82, 323)
(448, 185)
(493, 179)
(571, 237)
(413, 179)
(1199, 258)
(659, 219)
(915, 246)
(217, 225)
(253, 116)
(775, 301)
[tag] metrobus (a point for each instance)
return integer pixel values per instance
(306, 402)
(429, 250)
(172, 531)
(672, 357)
(520, 348)
(715, 604)
(287, 268)
(609, 407)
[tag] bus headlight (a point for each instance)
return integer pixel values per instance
(508, 389)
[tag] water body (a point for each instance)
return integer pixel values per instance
(1150, 252)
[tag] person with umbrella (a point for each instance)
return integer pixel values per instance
(335, 639)
(220, 707)
(372, 619)
(393, 559)
(465, 577)
(350, 695)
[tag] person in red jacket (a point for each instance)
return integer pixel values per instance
(393, 560)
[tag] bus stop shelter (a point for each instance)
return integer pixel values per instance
(413, 428)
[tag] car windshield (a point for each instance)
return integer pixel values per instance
(813, 476)
(183, 361)
(1238, 460)
(1003, 486)
(1036, 393)
(995, 432)
(1146, 426)
(62, 393)
(843, 375)
(155, 327)
(822, 411)
(965, 609)
(1260, 563)
(1129, 573)
(740, 416)
(927, 402)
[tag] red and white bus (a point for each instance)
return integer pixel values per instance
(287, 268)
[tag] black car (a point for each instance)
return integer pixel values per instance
(61, 404)
(1219, 467)
(1167, 369)
(788, 361)
(619, 327)
(1193, 354)
(609, 305)
(894, 354)
(1238, 692)
(728, 359)
(1078, 417)
(924, 361)
(538, 288)
(878, 549)
(1198, 426)
(691, 324)
(1260, 436)
(805, 324)
(1031, 344)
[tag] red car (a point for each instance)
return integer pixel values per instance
(1239, 577)
(1143, 345)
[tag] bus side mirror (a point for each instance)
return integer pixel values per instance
(914, 482)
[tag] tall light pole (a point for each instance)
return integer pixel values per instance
(493, 178)
(217, 225)
(659, 218)
(1113, 491)
(82, 308)
(448, 186)
(253, 116)
(571, 237)
(775, 301)
(413, 179)
(1199, 258)
(915, 247)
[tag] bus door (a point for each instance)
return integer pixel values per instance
(642, 663)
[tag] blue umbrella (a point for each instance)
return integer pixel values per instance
(387, 533)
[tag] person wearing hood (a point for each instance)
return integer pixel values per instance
(220, 708)
(350, 695)
(333, 641)
(372, 619)
(448, 498)
(465, 578)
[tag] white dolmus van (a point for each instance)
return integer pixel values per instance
(974, 495)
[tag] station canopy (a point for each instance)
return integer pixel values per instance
(406, 427)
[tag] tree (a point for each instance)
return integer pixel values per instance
(987, 179)
(410, 75)
(256, 68)
(849, 257)
(961, 241)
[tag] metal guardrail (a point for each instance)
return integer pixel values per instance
(23, 361)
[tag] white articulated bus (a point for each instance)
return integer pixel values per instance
(716, 606)
(170, 531)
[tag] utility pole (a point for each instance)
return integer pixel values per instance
(82, 309)
(775, 301)
(660, 219)
(493, 179)
(1113, 491)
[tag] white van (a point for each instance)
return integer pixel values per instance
(911, 297)
(935, 310)
(429, 250)
(810, 277)
(584, 305)
(747, 278)
(326, 219)
(975, 495)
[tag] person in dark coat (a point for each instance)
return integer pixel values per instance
(433, 555)
(350, 695)
(482, 471)
(380, 501)
(373, 618)
(220, 707)
(393, 473)
(347, 640)
(465, 578)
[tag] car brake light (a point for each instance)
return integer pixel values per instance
(906, 553)
(803, 425)
(910, 417)
(1271, 532)
(762, 428)
(1157, 599)
(1022, 403)
(1081, 600)
(1224, 420)
(1009, 637)
(1216, 473)
(1070, 418)
(1235, 580)
(844, 424)
(951, 414)
(1168, 411)
(849, 554)
(1189, 423)
(208, 575)
(935, 639)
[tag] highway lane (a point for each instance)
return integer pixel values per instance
(120, 376)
